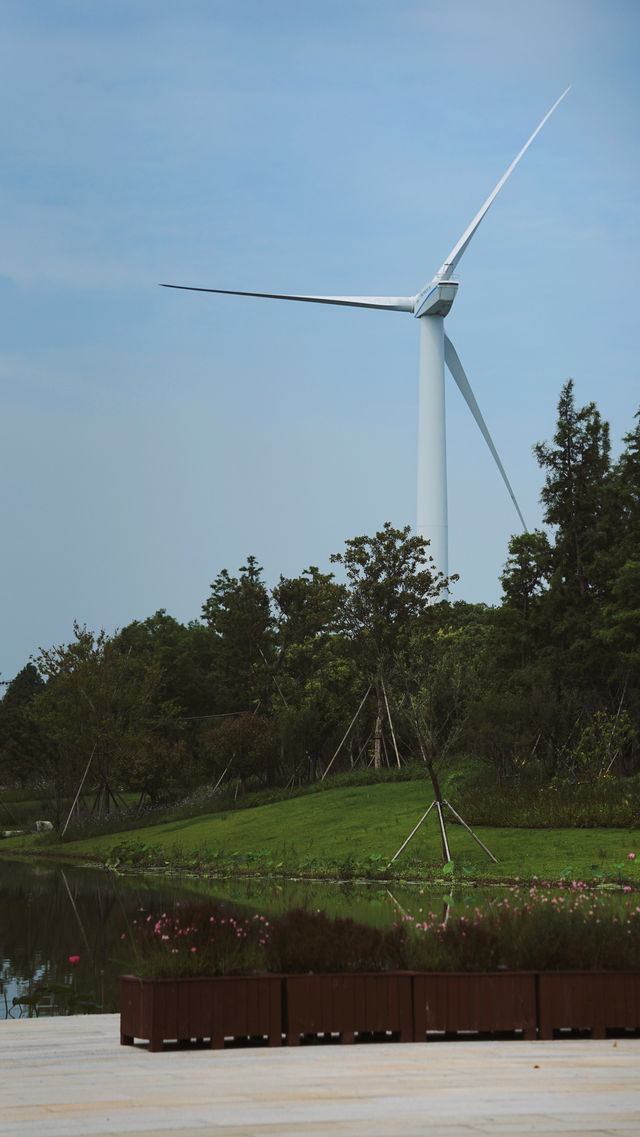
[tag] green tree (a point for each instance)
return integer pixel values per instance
(312, 678)
(19, 741)
(624, 504)
(577, 468)
(390, 581)
(620, 635)
(622, 621)
(576, 498)
(246, 746)
(526, 573)
(525, 580)
(23, 687)
(238, 614)
(602, 738)
(307, 608)
(185, 654)
(97, 704)
(570, 601)
(449, 659)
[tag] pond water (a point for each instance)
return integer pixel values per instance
(49, 914)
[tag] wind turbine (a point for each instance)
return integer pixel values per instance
(429, 307)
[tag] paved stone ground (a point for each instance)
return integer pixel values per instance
(69, 1077)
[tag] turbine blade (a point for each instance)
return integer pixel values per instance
(457, 370)
(392, 303)
(446, 270)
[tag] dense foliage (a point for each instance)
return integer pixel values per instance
(378, 667)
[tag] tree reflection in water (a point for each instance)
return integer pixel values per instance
(51, 915)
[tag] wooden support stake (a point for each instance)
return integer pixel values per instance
(76, 913)
(346, 735)
(469, 830)
(443, 832)
(393, 733)
(79, 789)
(219, 780)
(413, 831)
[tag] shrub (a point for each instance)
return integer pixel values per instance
(540, 928)
(534, 929)
(609, 803)
(303, 941)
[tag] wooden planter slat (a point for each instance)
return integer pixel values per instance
(348, 1004)
(468, 1001)
(588, 1000)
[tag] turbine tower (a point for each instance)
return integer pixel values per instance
(429, 307)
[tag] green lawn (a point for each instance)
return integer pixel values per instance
(336, 832)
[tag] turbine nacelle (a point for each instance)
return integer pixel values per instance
(435, 299)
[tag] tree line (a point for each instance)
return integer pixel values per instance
(379, 667)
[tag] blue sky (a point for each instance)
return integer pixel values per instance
(150, 438)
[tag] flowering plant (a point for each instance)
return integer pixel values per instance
(197, 939)
(540, 927)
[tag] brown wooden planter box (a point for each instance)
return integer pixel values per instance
(347, 1004)
(411, 1006)
(588, 1000)
(474, 1001)
(235, 1006)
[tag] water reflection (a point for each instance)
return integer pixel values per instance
(49, 915)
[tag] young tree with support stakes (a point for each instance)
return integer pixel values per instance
(391, 579)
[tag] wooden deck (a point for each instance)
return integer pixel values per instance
(70, 1077)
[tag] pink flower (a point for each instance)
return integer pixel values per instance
(74, 959)
(631, 856)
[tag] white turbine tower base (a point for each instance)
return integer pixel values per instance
(429, 306)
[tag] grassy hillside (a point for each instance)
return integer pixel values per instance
(353, 831)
